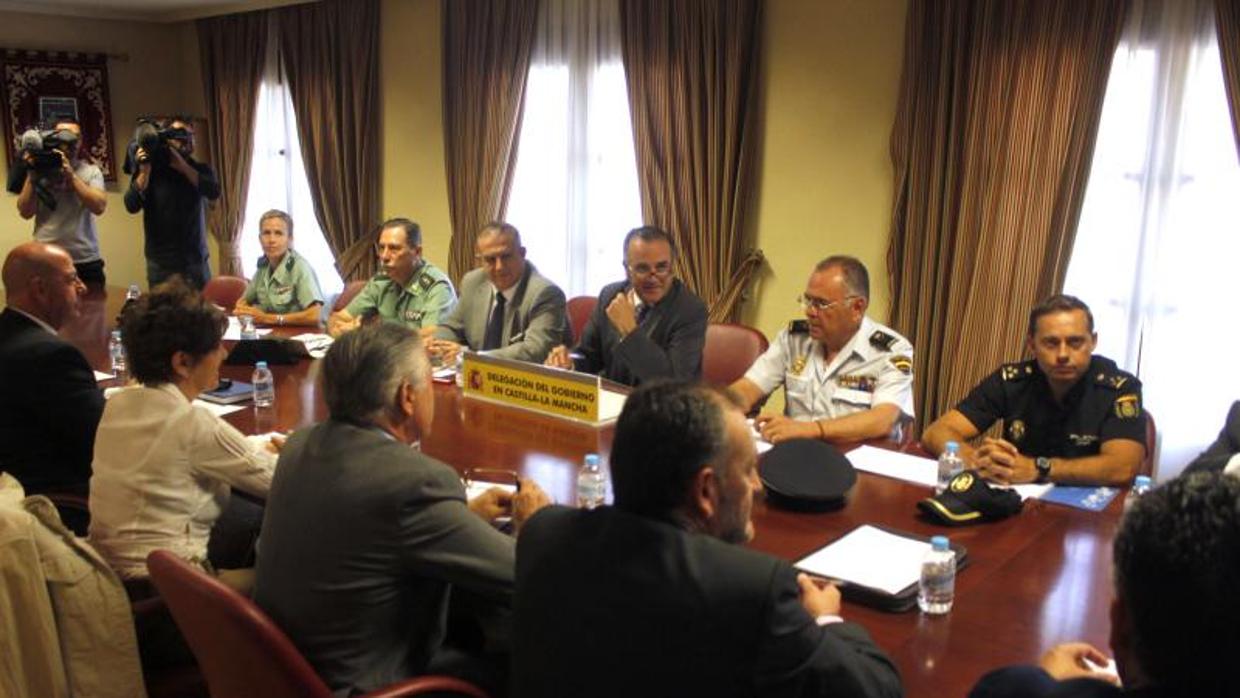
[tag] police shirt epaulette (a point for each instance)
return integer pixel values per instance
(882, 340)
(426, 281)
(1115, 381)
(1017, 371)
(798, 327)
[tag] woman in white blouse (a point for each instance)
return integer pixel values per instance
(163, 467)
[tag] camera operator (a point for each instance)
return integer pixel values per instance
(64, 213)
(168, 187)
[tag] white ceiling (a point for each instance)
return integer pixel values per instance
(141, 10)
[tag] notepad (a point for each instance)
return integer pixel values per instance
(871, 557)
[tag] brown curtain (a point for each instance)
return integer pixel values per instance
(692, 69)
(1227, 20)
(331, 57)
(997, 117)
(233, 50)
(486, 61)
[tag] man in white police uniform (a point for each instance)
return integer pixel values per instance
(845, 377)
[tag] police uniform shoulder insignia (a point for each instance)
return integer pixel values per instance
(903, 363)
(1128, 406)
(1015, 372)
(425, 281)
(1016, 431)
(798, 327)
(1111, 380)
(882, 340)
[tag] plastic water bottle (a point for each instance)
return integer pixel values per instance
(116, 351)
(950, 465)
(937, 588)
(591, 483)
(1140, 486)
(264, 385)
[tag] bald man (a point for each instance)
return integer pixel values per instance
(49, 401)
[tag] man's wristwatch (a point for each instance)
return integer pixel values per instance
(1043, 464)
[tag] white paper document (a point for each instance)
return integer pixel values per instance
(870, 557)
(760, 443)
(234, 329)
(902, 466)
(316, 343)
(475, 488)
(918, 470)
(100, 376)
(221, 410)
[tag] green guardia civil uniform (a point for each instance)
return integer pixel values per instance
(423, 301)
(288, 287)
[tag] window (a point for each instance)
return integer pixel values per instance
(278, 179)
(1156, 242)
(574, 194)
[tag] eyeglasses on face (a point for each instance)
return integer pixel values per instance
(643, 269)
(820, 304)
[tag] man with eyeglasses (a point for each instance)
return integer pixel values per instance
(1069, 415)
(506, 307)
(646, 327)
(170, 189)
(845, 376)
(50, 403)
(408, 290)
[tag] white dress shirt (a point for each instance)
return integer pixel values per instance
(162, 474)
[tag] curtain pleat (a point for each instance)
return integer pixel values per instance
(1227, 22)
(331, 57)
(997, 118)
(486, 63)
(692, 69)
(233, 50)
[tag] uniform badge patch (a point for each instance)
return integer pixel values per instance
(798, 365)
(1016, 430)
(1127, 406)
(962, 482)
(413, 315)
(882, 339)
(903, 363)
(859, 382)
(426, 282)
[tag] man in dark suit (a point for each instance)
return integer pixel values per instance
(654, 596)
(364, 538)
(506, 307)
(50, 403)
(1175, 618)
(648, 326)
(1224, 454)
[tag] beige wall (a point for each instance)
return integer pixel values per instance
(414, 182)
(152, 79)
(832, 72)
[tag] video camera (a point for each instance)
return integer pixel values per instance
(152, 137)
(45, 148)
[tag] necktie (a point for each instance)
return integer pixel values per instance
(642, 311)
(495, 326)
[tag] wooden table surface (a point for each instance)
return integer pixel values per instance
(1034, 580)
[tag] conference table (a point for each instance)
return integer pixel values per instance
(1034, 580)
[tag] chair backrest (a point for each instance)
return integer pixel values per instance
(730, 350)
(242, 652)
(579, 309)
(239, 650)
(350, 292)
(1151, 446)
(224, 291)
